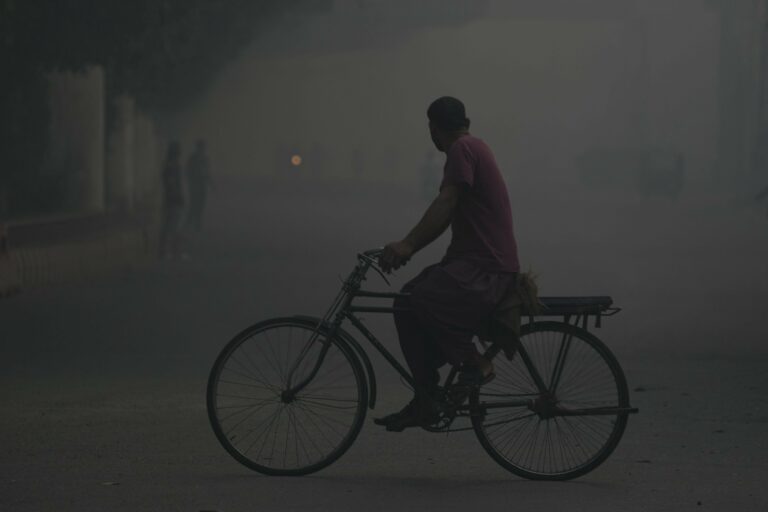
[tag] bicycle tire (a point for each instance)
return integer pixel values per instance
(583, 447)
(260, 388)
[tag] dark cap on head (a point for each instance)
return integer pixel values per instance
(448, 114)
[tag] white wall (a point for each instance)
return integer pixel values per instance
(77, 133)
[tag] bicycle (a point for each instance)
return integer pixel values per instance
(288, 396)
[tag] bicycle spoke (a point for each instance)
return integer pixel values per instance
(242, 397)
(256, 367)
(242, 384)
(329, 398)
(314, 444)
(272, 423)
(310, 415)
(326, 405)
(323, 417)
(269, 420)
(272, 364)
(241, 408)
(247, 374)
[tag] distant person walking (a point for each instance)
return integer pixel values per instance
(173, 204)
(198, 181)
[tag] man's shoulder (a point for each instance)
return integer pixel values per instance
(471, 144)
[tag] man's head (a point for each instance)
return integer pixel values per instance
(447, 121)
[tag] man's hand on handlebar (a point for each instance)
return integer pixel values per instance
(395, 255)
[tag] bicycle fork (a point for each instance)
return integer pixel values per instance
(343, 300)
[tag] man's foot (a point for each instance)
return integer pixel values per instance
(404, 412)
(418, 413)
(421, 415)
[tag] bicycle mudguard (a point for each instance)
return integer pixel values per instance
(347, 337)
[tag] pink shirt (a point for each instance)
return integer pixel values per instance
(482, 224)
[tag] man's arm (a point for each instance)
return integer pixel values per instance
(435, 220)
(433, 223)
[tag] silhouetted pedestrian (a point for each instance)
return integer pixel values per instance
(198, 181)
(173, 204)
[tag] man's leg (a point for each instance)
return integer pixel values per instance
(449, 314)
(429, 337)
(440, 316)
(452, 304)
(422, 356)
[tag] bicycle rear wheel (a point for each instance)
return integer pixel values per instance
(571, 427)
(271, 431)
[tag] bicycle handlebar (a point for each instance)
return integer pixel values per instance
(372, 253)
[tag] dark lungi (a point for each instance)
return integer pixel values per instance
(448, 303)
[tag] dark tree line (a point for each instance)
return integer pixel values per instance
(162, 52)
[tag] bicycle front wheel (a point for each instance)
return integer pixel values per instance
(279, 433)
(562, 424)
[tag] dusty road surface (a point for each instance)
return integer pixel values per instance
(103, 383)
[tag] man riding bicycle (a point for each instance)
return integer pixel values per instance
(449, 302)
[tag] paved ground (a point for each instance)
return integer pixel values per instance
(103, 383)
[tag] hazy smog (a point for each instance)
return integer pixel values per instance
(631, 138)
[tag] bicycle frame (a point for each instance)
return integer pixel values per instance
(343, 309)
